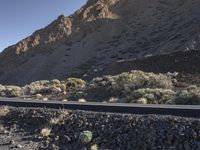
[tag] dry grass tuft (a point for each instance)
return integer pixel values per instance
(45, 132)
(4, 111)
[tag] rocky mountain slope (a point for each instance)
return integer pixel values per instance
(101, 33)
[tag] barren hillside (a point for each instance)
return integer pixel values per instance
(101, 33)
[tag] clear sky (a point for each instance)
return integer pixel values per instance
(20, 18)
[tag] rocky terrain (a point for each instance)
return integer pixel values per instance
(39, 129)
(100, 35)
(111, 51)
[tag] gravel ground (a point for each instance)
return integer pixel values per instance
(17, 140)
(21, 129)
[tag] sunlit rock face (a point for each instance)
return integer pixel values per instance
(100, 33)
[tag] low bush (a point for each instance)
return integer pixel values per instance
(74, 83)
(10, 91)
(35, 87)
(133, 80)
(153, 96)
(123, 85)
(44, 87)
(189, 96)
(4, 111)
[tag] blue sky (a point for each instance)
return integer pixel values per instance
(20, 18)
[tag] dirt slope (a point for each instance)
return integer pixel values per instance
(100, 33)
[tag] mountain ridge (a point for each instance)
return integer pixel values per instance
(101, 32)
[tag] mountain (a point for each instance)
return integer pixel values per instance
(100, 35)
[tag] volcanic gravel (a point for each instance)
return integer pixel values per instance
(21, 130)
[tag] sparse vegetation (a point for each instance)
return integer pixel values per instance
(62, 113)
(74, 83)
(153, 96)
(4, 111)
(125, 84)
(36, 87)
(138, 79)
(54, 121)
(44, 87)
(190, 96)
(10, 91)
(128, 87)
(45, 132)
(94, 147)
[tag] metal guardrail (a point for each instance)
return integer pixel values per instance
(126, 108)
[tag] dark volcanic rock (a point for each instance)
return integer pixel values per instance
(109, 131)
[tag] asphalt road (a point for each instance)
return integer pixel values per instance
(177, 110)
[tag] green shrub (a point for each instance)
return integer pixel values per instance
(85, 137)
